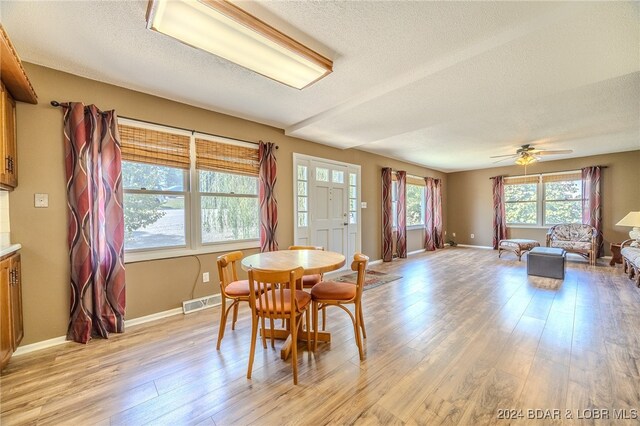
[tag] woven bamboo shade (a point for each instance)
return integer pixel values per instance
(224, 157)
(154, 147)
(411, 180)
(562, 177)
(519, 180)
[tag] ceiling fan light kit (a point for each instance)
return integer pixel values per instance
(526, 159)
(223, 29)
(527, 154)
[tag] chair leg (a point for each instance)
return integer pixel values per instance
(314, 308)
(324, 317)
(223, 321)
(364, 332)
(254, 333)
(294, 348)
(306, 314)
(273, 341)
(235, 316)
(356, 327)
(264, 333)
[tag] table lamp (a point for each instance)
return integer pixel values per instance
(632, 219)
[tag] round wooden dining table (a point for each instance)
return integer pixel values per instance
(313, 262)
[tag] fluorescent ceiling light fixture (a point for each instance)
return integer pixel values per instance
(221, 28)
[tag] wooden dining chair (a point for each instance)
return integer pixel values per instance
(278, 298)
(333, 293)
(309, 281)
(230, 288)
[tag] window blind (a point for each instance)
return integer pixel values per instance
(224, 157)
(411, 180)
(154, 147)
(521, 180)
(562, 177)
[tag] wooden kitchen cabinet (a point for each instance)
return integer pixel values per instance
(11, 325)
(8, 147)
(15, 87)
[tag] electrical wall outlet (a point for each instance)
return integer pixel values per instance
(453, 234)
(473, 235)
(205, 277)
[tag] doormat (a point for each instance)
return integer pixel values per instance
(373, 278)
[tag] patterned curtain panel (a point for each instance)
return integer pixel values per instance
(433, 237)
(437, 213)
(499, 218)
(401, 217)
(591, 203)
(387, 221)
(96, 222)
(267, 197)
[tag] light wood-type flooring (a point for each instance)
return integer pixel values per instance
(462, 338)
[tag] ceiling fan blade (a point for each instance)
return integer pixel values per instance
(554, 152)
(508, 155)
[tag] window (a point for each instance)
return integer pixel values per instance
(303, 196)
(228, 191)
(521, 200)
(154, 206)
(155, 170)
(415, 203)
(544, 200)
(353, 198)
(173, 202)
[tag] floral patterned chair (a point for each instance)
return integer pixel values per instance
(575, 238)
(631, 259)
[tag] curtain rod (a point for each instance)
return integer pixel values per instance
(59, 104)
(550, 173)
(409, 175)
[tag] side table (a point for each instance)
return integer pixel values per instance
(616, 257)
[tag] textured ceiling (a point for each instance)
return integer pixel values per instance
(442, 84)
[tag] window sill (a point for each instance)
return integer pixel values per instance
(409, 228)
(171, 253)
(528, 226)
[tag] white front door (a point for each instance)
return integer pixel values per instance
(327, 205)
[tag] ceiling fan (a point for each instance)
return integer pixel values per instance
(527, 154)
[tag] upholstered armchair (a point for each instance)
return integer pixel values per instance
(575, 238)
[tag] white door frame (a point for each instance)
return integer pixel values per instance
(300, 234)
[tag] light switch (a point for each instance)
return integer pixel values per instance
(41, 200)
(363, 204)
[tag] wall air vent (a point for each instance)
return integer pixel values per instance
(194, 305)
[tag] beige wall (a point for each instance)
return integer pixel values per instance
(470, 197)
(152, 286)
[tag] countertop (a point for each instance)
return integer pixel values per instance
(9, 249)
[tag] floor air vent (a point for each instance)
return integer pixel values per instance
(195, 305)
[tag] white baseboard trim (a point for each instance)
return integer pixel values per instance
(411, 253)
(152, 317)
(26, 349)
(45, 344)
(375, 262)
(472, 246)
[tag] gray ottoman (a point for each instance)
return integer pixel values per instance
(546, 262)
